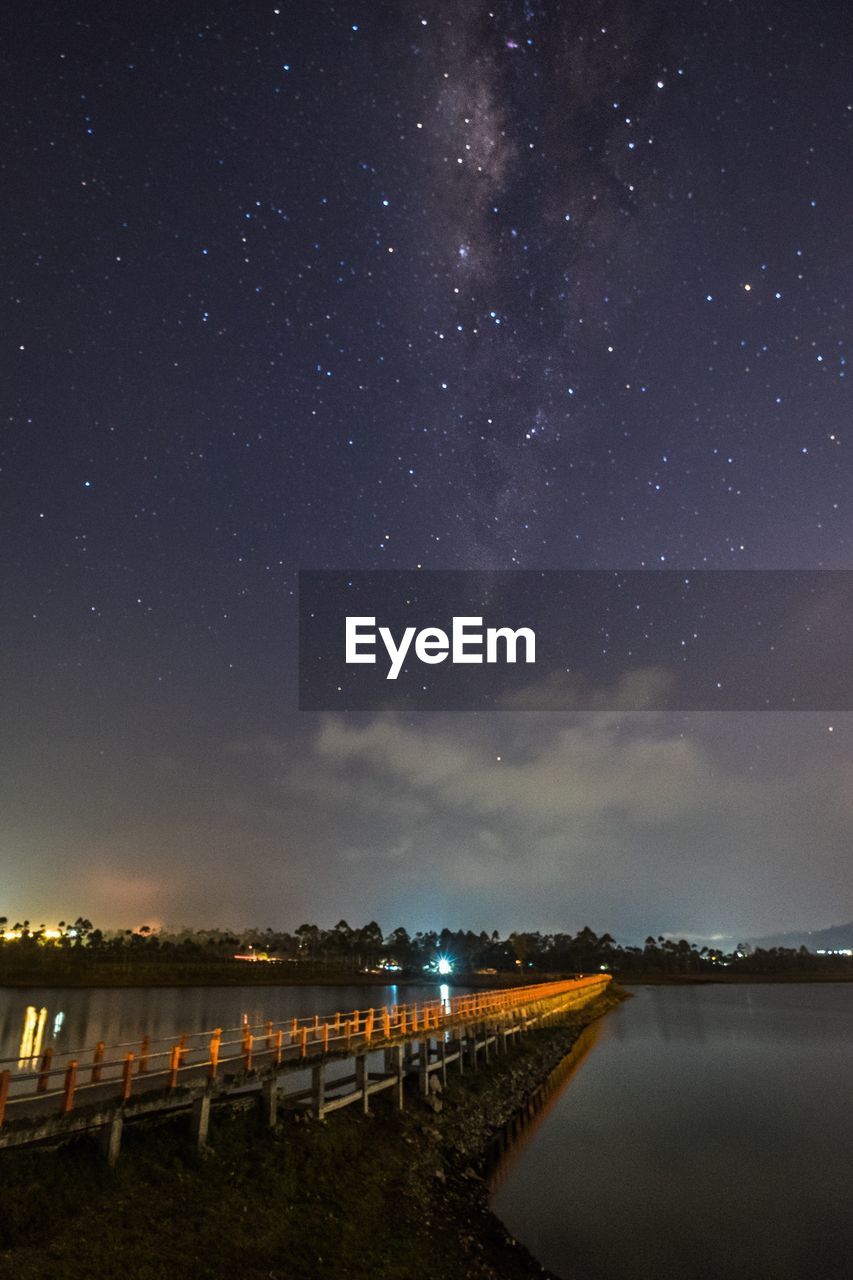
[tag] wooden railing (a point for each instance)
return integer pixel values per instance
(113, 1074)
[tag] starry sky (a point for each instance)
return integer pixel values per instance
(444, 286)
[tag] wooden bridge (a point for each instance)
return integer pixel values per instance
(329, 1063)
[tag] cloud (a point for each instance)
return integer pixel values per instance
(591, 769)
(644, 689)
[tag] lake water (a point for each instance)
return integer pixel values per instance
(707, 1133)
(77, 1019)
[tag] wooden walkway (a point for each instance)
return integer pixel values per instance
(311, 1064)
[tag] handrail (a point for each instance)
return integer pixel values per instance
(292, 1040)
(512, 995)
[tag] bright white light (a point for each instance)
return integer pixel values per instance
(444, 965)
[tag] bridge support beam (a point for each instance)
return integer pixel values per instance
(423, 1068)
(111, 1138)
(361, 1081)
(200, 1120)
(399, 1069)
(318, 1090)
(269, 1103)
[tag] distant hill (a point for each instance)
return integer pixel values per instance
(836, 938)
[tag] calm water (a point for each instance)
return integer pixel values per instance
(75, 1019)
(707, 1133)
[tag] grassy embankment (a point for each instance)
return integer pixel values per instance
(384, 1197)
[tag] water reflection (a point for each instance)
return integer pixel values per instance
(32, 1036)
(522, 1128)
(71, 1021)
(708, 1135)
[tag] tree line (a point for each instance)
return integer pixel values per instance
(343, 949)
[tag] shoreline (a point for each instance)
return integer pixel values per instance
(472, 982)
(397, 1185)
(731, 979)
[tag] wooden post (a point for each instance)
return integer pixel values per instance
(200, 1120)
(174, 1062)
(460, 1054)
(111, 1138)
(386, 1025)
(247, 1050)
(44, 1074)
(127, 1077)
(215, 1043)
(442, 1053)
(4, 1094)
(325, 1037)
(361, 1081)
(143, 1055)
(269, 1034)
(294, 1030)
(70, 1086)
(318, 1090)
(96, 1061)
(279, 1047)
(303, 1051)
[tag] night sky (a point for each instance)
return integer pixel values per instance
(451, 286)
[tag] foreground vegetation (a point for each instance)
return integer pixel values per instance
(384, 1197)
(80, 954)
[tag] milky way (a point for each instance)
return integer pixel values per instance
(457, 286)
